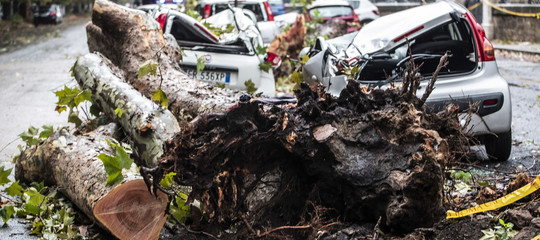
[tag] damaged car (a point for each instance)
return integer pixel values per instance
(381, 50)
(230, 58)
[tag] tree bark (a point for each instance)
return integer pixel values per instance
(129, 38)
(145, 122)
(126, 209)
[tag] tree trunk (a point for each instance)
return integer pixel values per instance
(126, 209)
(129, 38)
(145, 122)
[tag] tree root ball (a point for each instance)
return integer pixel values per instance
(355, 159)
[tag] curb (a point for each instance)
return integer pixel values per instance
(517, 54)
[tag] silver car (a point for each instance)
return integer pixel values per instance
(380, 52)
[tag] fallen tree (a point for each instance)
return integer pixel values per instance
(127, 209)
(291, 171)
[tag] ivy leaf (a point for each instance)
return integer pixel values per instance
(14, 189)
(161, 97)
(37, 227)
(38, 186)
(118, 112)
(112, 168)
(86, 95)
(67, 96)
(73, 117)
(34, 199)
(200, 63)
(146, 68)
(167, 180)
(265, 66)
(261, 50)
(4, 174)
(250, 86)
(6, 212)
(47, 131)
(114, 164)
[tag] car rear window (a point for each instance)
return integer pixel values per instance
(354, 4)
(254, 7)
(331, 11)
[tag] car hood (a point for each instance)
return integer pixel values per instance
(392, 30)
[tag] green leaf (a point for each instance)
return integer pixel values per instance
(538, 97)
(146, 68)
(266, 66)
(71, 70)
(14, 189)
(297, 77)
(47, 131)
(180, 212)
(118, 112)
(250, 86)
(167, 180)
(220, 85)
(161, 97)
(112, 168)
(38, 186)
(73, 117)
(6, 212)
(60, 108)
(200, 63)
(37, 227)
(261, 50)
(123, 157)
(4, 174)
(114, 164)
(305, 58)
(67, 96)
(33, 197)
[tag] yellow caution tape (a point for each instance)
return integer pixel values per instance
(501, 202)
(536, 15)
(474, 6)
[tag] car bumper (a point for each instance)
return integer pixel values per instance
(485, 87)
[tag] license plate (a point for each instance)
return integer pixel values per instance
(210, 76)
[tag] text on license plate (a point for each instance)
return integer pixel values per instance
(212, 76)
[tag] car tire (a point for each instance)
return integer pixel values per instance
(498, 147)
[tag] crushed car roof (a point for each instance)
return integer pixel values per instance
(391, 30)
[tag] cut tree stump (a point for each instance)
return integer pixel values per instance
(127, 209)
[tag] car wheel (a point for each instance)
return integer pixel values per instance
(498, 147)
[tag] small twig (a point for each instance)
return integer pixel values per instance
(193, 231)
(282, 228)
(247, 224)
(376, 229)
(443, 62)
(1, 150)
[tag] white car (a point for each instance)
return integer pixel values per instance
(261, 9)
(365, 10)
(230, 59)
(380, 52)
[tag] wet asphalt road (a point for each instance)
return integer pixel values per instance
(29, 76)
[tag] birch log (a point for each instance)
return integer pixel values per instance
(127, 209)
(145, 122)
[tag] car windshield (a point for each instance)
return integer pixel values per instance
(254, 7)
(45, 8)
(331, 11)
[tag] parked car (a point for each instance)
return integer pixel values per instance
(48, 13)
(380, 51)
(334, 9)
(230, 59)
(277, 7)
(149, 8)
(365, 10)
(260, 8)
